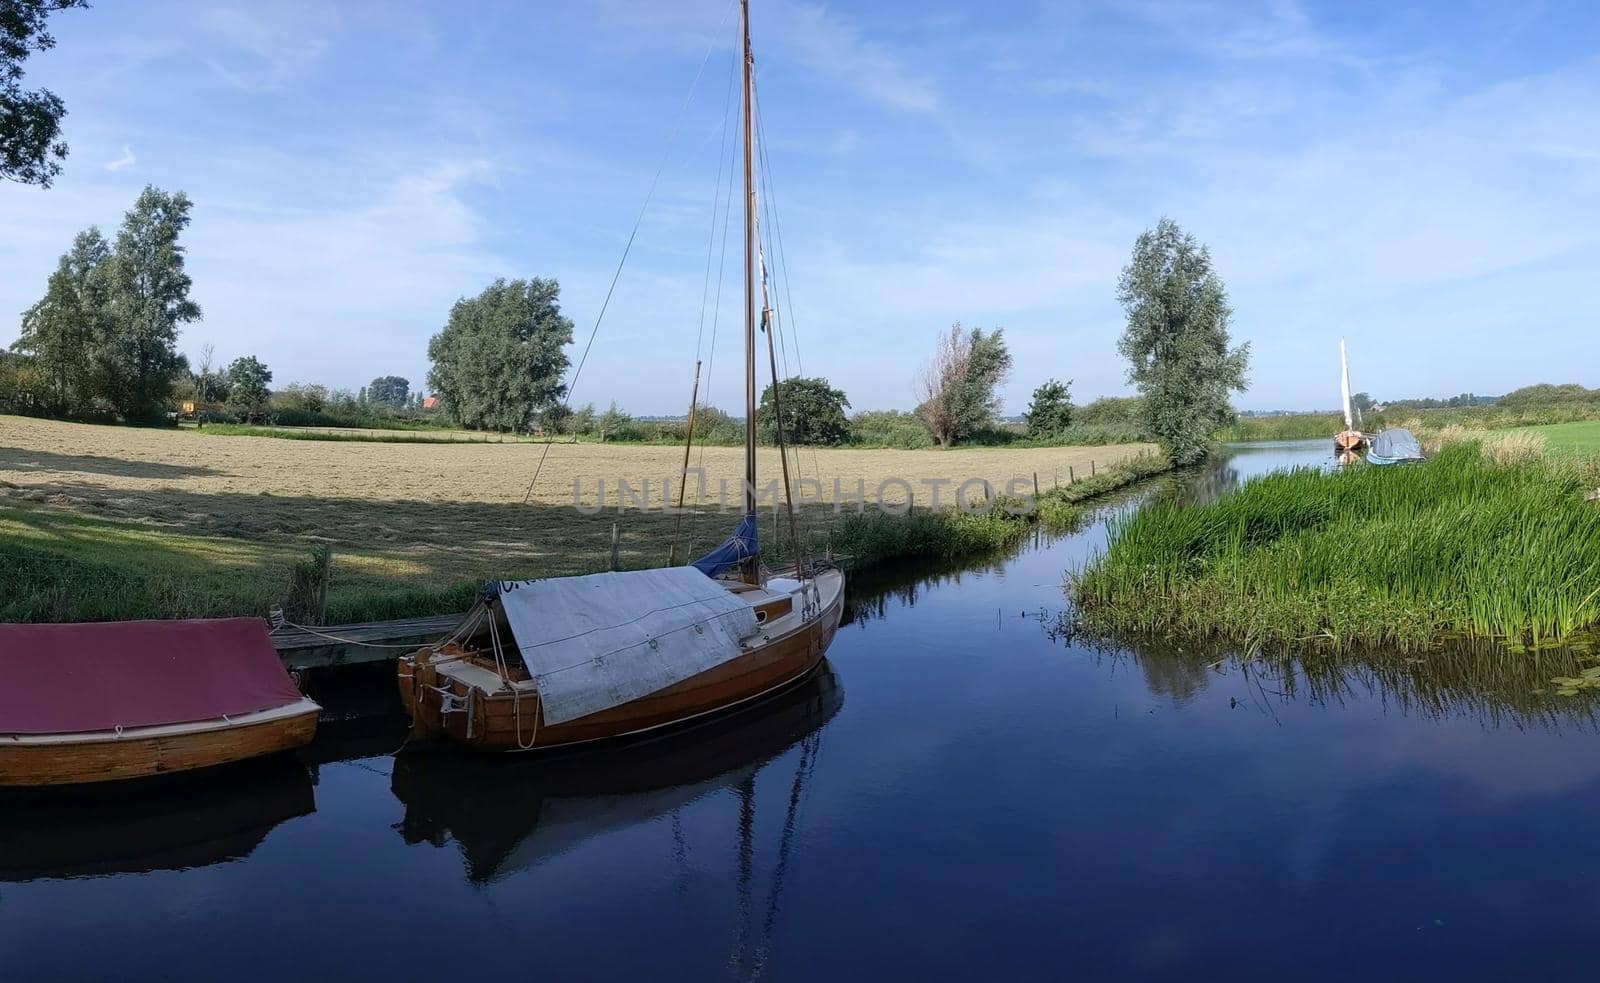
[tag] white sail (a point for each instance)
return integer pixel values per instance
(1344, 386)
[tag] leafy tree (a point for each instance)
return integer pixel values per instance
(1177, 341)
(500, 359)
(813, 413)
(581, 421)
(958, 385)
(715, 426)
(1363, 402)
(247, 387)
(889, 428)
(208, 385)
(390, 390)
(149, 298)
(1050, 412)
(31, 149)
(1545, 394)
(556, 419)
(1111, 410)
(62, 331)
(614, 424)
(301, 397)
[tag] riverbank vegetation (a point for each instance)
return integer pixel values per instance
(1531, 406)
(147, 522)
(1498, 543)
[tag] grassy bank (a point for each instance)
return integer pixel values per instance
(1296, 426)
(1460, 545)
(1306, 426)
(160, 523)
(1582, 439)
(873, 537)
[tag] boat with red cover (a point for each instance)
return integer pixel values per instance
(117, 700)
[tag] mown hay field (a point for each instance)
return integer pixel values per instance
(104, 522)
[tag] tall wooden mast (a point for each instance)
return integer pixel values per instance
(751, 567)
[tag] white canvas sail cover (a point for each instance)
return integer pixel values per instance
(595, 642)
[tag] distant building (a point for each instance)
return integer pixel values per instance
(430, 403)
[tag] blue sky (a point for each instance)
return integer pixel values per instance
(1423, 179)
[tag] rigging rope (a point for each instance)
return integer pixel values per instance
(626, 249)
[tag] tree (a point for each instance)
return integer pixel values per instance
(1050, 412)
(813, 413)
(210, 385)
(390, 390)
(247, 387)
(958, 385)
(64, 329)
(1363, 402)
(1177, 341)
(614, 424)
(301, 397)
(499, 359)
(31, 148)
(149, 297)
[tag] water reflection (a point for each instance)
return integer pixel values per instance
(177, 824)
(1477, 680)
(508, 815)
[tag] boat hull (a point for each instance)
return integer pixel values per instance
(140, 752)
(1349, 440)
(510, 719)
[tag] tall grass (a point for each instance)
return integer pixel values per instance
(1460, 545)
(869, 538)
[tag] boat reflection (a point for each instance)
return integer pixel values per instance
(174, 823)
(512, 814)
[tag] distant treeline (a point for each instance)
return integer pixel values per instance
(1109, 420)
(1529, 406)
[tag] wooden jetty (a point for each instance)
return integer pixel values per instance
(348, 645)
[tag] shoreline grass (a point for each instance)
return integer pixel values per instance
(1463, 545)
(93, 562)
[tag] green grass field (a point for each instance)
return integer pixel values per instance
(1582, 438)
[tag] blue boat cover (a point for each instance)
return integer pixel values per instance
(1393, 446)
(744, 543)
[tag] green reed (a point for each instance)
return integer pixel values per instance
(1405, 555)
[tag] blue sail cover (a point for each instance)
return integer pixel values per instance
(744, 543)
(1394, 446)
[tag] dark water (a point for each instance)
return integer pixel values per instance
(964, 793)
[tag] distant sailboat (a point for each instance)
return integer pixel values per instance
(567, 660)
(1350, 439)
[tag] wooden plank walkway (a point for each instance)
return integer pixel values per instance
(377, 641)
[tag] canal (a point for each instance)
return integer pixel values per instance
(970, 789)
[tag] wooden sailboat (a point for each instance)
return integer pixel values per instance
(511, 816)
(547, 663)
(1349, 440)
(109, 701)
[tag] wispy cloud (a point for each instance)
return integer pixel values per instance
(124, 162)
(837, 50)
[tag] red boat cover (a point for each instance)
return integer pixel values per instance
(65, 679)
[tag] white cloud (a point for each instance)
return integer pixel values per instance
(124, 162)
(836, 50)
